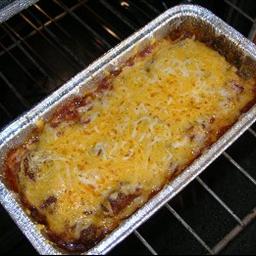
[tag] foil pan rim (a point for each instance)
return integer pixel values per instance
(14, 8)
(8, 199)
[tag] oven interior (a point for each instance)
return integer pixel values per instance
(47, 44)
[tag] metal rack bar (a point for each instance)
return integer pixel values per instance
(140, 10)
(235, 232)
(252, 132)
(77, 61)
(55, 43)
(58, 17)
(230, 12)
(37, 65)
(252, 33)
(3, 108)
(240, 168)
(217, 198)
(15, 92)
(63, 30)
(117, 14)
(101, 39)
(28, 74)
(145, 243)
(164, 4)
(52, 21)
(239, 10)
(151, 7)
(188, 228)
(111, 32)
(50, 72)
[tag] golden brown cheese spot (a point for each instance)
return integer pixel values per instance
(155, 118)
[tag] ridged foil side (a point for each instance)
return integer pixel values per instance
(229, 42)
(14, 8)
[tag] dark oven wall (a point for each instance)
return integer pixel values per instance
(47, 44)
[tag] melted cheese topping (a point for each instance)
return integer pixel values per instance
(158, 117)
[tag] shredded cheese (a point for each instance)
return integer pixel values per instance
(152, 122)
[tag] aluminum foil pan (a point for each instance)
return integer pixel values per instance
(14, 7)
(210, 28)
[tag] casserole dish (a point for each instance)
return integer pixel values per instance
(183, 21)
